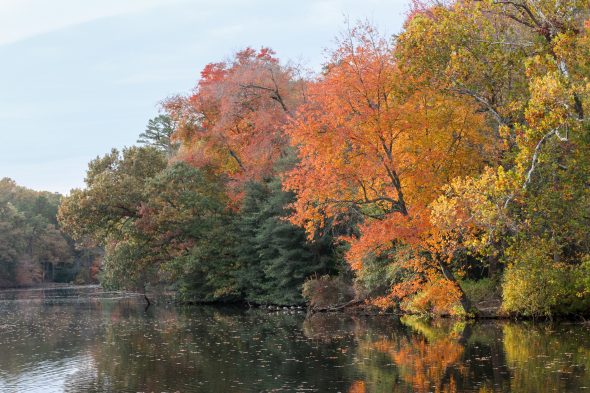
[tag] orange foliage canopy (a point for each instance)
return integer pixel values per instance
(233, 122)
(371, 145)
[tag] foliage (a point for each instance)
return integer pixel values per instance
(458, 150)
(377, 276)
(369, 143)
(515, 67)
(32, 248)
(327, 291)
(158, 134)
(274, 256)
(114, 192)
(190, 231)
(535, 284)
(171, 224)
(233, 122)
(481, 290)
(156, 222)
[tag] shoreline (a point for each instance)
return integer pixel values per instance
(49, 285)
(354, 307)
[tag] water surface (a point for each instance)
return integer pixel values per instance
(88, 340)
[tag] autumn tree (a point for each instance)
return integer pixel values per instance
(32, 247)
(113, 194)
(157, 223)
(233, 122)
(522, 67)
(12, 242)
(102, 213)
(370, 142)
(186, 233)
(518, 61)
(462, 142)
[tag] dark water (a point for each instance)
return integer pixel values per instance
(86, 340)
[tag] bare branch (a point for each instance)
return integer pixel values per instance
(536, 156)
(489, 107)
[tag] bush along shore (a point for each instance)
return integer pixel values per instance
(437, 172)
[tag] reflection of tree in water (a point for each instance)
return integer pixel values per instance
(208, 349)
(112, 345)
(367, 369)
(431, 361)
(438, 356)
(357, 387)
(547, 358)
(424, 358)
(427, 365)
(328, 327)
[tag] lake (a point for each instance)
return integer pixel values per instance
(87, 340)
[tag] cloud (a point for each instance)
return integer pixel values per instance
(21, 19)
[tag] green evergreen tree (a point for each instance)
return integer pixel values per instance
(274, 256)
(158, 133)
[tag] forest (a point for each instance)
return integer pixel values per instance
(33, 250)
(444, 170)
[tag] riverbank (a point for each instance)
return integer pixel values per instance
(47, 285)
(487, 309)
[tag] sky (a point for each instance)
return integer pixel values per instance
(79, 77)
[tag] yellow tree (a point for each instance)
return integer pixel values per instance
(521, 62)
(524, 64)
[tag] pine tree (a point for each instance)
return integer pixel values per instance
(275, 257)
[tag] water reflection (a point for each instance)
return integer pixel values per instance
(90, 341)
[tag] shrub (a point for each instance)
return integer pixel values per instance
(480, 290)
(535, 285)
(326, 291)
(583, 275)
(437, 297)
(83, 277)
(377, 276)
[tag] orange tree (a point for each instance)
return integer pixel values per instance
(233, 121)
(371, 144)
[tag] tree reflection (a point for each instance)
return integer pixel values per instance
(209, 349)
(112, 345)
(419, 357)
(547, 358)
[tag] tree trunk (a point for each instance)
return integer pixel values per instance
(465, 302)
(493, 267)
(147, 300)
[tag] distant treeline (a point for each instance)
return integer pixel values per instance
(32, 248)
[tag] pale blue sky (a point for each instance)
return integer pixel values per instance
(78, 77)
